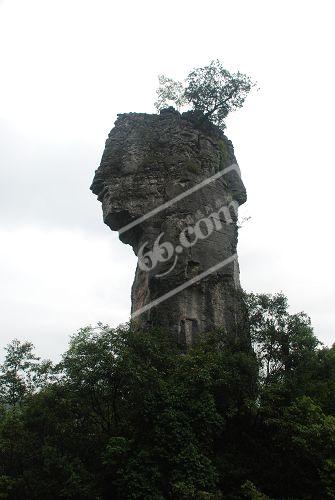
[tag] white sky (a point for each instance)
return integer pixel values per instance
(69, 66)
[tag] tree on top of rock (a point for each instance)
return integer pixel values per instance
(211, 90)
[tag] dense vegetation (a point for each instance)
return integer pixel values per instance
(128, 415)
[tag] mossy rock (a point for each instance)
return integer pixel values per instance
(192, 166)
(224, 155)
(152, 158)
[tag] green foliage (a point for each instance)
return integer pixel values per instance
(250, 491)
(284, 343)
(128, 415)
(210, 90)
(169, 91)
(22, 373)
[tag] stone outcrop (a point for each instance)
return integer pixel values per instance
(149, 160)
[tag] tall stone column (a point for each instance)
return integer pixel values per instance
(168, 184)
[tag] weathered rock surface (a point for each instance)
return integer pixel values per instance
(149, 160)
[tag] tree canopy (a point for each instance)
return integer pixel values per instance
(128, 415)
(211, 90)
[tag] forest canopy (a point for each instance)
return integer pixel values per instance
(129, 415)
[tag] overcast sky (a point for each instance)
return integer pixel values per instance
(69, 66)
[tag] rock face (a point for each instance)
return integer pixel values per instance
(166, 184)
